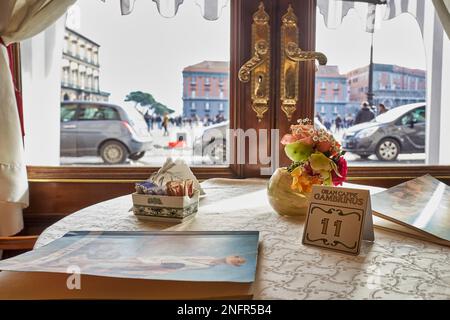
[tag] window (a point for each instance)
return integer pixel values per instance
(89, 55)
(82, 51)
(66, 45)
(414, 117)
(68, 112)
(95, 60)
(74, 50)
(93, 112)
(82, 80)
(401, 71)
(75, 78)
(167, 87)
(207, 106)
(65, 76)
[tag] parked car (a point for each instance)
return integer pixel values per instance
(400, 130)
(112, 132)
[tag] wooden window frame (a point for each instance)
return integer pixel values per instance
(381, 176)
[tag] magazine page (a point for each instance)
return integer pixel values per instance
(422, 204)
(176, 256)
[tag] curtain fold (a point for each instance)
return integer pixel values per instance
(19, 20)
(210, 9)
(443, 11)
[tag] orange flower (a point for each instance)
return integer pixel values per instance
(302, 181)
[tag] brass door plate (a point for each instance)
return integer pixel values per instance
(291, 55)
(257, 69)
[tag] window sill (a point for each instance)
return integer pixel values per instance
(381, 176)
(113, 175)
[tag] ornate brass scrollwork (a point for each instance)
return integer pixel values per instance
(291, 55)
(257, 69)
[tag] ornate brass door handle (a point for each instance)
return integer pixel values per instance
(257, 69)
(291, 55)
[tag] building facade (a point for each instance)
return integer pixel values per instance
(206, 90)
(331, 93)
(81, 69)
(392, 85)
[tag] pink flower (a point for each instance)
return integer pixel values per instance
(307, 140)
(343, 170)
(288, 139)
(302, 131)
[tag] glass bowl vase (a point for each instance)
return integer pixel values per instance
(282, 198)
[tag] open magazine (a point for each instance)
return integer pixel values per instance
(419, 208)
(185, 265)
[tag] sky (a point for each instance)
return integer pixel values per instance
(150, 51)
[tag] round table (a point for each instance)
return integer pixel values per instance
(393, 267)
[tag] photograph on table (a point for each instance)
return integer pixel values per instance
(176, 256)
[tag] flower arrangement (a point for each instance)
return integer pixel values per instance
(317, 158)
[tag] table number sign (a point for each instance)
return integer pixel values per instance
(338, 219)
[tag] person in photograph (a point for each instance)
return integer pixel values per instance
(364, 114)
(167, 264)
(105, 259)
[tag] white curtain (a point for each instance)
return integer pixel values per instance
(443, 10)
(210, 9)
(19, 20)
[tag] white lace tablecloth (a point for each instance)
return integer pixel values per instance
(393, 267)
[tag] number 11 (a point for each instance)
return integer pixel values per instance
(337, 225)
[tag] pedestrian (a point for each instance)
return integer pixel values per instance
(319, 118)
(148, 119)
(364, 114)
(382, 109)
(159, 121)
(165, 124)
(349, 120)
(338, 123)
(152, 122)
(327, 123)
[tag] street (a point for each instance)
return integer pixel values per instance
(157, 156)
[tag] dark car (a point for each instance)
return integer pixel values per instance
(400, 130)
(112, 132)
